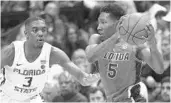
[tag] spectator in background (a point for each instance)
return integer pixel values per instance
(162, 91)
(154, 88)
(165, 89)
(129, 6)
(50, 26)
(58, 30)
(80, 59)
(71, 40)
(96, 94)
(68, 90)
(36, 8)
(51, 88)
(35, 11)
(14, 6)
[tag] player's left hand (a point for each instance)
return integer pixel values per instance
(151, 40)
(150, 31)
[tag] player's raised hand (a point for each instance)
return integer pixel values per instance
(150, 31)
(120, 22)
(151, 40)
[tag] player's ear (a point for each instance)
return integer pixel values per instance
(25, 32)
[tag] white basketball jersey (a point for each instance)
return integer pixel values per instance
(24, 79)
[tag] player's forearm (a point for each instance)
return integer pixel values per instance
(95, 52)
(156, 60)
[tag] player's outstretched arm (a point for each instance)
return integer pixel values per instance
(151, 55)
(94, 50)
(7, 55)
(60, 57)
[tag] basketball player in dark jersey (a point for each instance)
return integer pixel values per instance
(120, 63)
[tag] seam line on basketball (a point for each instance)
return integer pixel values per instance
(133, 27)
(136, 33)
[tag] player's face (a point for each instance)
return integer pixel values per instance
(36, 32)
(165, 91)
(106, 25)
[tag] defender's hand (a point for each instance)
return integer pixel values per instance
(91, 78)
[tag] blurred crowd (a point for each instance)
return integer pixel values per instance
(70, 24)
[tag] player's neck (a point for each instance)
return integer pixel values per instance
(31, 45)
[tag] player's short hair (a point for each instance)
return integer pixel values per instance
(115, 9)
(31, 19)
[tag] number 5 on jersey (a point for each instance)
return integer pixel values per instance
(112, 70)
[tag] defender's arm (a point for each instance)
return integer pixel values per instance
(60, 57)
(7, 55)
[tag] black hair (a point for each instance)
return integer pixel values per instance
(115, 9)
(31, 19)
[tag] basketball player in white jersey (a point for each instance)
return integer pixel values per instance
(118, 62)
(26, 64)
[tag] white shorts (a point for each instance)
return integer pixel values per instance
(6, 99)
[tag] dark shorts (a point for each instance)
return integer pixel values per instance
(129, 94)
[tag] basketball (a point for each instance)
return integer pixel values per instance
(132, 28)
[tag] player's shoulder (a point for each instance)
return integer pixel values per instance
(18, 42)
(95, 35)
(94, 38)
(56, 51)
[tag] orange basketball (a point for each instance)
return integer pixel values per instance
(132, 28)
